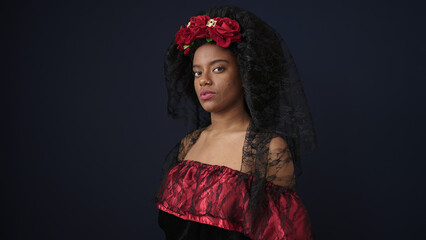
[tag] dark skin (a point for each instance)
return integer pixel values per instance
(216, 70)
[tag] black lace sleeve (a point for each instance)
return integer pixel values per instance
(280, 169)
(187, 142)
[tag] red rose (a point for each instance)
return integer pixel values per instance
(198, 21)
(225, 32)
(198, 26)
(184, 37)
(187, 50)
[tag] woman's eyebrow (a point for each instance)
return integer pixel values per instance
(213, 62)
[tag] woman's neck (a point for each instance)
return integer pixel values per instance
(238, 121)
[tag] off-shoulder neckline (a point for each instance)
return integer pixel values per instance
(200, 130)
(214, 166)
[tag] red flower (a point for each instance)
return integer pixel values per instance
(198, 21)
(187, 50)
(225, 32)
(184, 37)
(198, 26)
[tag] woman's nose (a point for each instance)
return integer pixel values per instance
(204, 81)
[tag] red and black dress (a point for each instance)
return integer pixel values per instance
(201, 201)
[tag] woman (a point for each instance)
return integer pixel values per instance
(230, 75)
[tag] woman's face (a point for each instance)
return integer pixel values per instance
(217, 79)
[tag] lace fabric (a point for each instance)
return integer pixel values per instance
(265, 155)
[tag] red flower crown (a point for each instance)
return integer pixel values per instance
(223, 31)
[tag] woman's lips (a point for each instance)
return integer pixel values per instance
(206, 94)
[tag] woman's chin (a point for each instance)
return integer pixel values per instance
(209, 107)
(209, 110)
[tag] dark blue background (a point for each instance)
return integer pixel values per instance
(85, 127)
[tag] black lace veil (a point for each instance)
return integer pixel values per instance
(274, 98)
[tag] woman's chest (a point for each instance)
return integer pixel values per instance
(218, 151)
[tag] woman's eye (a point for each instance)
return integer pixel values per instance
(197, 74)
(219, 69)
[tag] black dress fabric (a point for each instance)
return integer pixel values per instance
(178, 229)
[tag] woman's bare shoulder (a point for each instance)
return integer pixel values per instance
(277, 144)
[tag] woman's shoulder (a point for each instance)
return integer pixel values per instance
(267, 138)
(277, 143)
